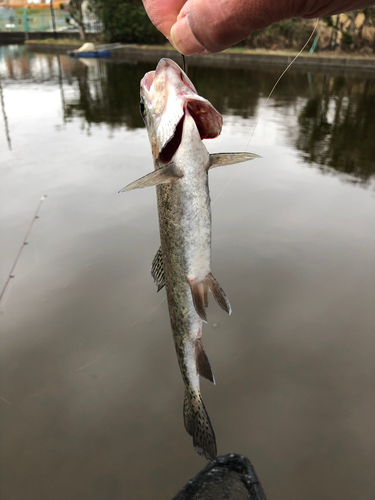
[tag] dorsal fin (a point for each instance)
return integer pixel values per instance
(157, 269)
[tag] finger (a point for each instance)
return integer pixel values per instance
(214, 26)
(163, 13)
(325, 8)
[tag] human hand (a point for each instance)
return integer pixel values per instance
(204, 26)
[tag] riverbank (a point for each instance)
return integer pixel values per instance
(50, 45)
(230, 57)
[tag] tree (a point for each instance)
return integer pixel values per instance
(75, 10)
(350, 26)
(125, 21)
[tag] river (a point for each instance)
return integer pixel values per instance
(91, 394)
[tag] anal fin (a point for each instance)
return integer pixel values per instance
(157, 269)
(202, 362)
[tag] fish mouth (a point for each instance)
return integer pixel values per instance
(161, 70)
(148, 80)
(168, 87)
(167, 65)
(207, 119)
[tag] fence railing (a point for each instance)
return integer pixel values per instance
(30, 20)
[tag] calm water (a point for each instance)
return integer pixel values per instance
(91, 394)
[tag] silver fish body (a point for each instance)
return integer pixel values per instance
(177, 120)
(185, 231)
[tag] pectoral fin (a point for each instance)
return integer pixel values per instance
(157, 270)
(221, 159)
(165, 174)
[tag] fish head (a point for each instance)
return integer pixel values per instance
(167, 94)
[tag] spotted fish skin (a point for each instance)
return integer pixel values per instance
(177, 119)
(185, 231)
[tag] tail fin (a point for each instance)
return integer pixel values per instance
(198, 425)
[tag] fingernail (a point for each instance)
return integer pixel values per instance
(183, 39)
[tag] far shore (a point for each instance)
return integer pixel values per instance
(237, 56)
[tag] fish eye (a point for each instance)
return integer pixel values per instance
(142, 108)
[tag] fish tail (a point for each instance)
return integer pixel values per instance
(198, 425)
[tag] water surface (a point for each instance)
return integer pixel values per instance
(91, 394)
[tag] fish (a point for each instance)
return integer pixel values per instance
(177, 119)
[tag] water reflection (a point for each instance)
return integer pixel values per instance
(333, 114)
(61, 85)
(337, 126)
(106, 93)
(5, 118)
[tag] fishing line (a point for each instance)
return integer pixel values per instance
(184, 63)
(265, 104)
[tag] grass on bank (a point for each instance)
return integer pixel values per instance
(52, 41)
(233, 50)
(291, 52)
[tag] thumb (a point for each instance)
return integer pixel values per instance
(211, 26)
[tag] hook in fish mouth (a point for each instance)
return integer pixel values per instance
(161, 71)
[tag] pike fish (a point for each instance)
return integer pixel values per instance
(177, 119)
